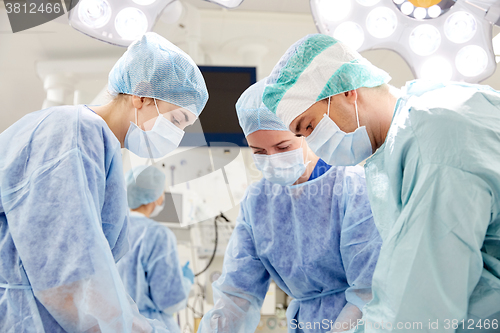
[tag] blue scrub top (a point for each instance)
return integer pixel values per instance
(320, 168)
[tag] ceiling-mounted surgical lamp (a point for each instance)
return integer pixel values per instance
(439, 39)
(226, 3)
(116, 22)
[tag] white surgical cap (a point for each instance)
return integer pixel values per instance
(314, 68)
(154, 67)
(253, 114)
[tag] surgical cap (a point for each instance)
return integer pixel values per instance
(144, 185)
(154, 67)
(253, 114)
(314, 68)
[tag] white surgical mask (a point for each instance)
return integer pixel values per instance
(282, 168)
(336, 147)
(157, 209)
(162, 139)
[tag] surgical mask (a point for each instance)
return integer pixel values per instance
(282, 168)
(157, 209)
(336, 147)
(161, 140)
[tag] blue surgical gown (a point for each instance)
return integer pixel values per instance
(434, 187)
(151, 271)
(63, 224)
(316, 240)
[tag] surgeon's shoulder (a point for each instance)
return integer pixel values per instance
(70, 116)
(51, 133)
(447, 120)
(352, 179)
(92, 126)
(161, 232)
(354, 172)
(80, 124)
(256, 190)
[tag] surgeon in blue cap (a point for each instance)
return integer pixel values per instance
(63, 204)
(433, 180)
(151, 271)
(306, 225)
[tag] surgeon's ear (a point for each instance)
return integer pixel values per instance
(140, 102)
(137, 102)
(351, 95)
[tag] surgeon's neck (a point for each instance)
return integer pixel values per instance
(313, 160)
(145, 210)
(379, 104)
(117, 114)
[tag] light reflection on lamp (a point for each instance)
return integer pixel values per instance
(131, 23)
(471, 60)
(350, 33)
(117, 22)
(381, 22)
(436, 68)
(450, 39)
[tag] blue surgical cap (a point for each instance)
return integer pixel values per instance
(314, 68)
(145, 184)
(154, 67)
(253, 114)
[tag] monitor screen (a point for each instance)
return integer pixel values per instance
(172, 211)
(218, 119)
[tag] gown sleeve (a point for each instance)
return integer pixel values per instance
(431, 260)
(240, 290)
(56, 223)
(360, 241)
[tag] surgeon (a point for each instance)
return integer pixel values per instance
(63, 204)
(306, 225)
(150, 271)
(434, 180)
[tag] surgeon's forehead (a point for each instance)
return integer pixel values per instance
(268, 138)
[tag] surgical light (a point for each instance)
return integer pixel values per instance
(368, 2)
(94, 13)
(335, 10)
(425, 39)
(381, 22)
(144, 2)
(420, 13)
(350, 33)
(434, 11)
(441, 39)
(117, 22)
(131, 23)
(407, 8)
(460, 27)
(226, 3)
(471, 60)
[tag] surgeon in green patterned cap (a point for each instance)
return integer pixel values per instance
(433, 182)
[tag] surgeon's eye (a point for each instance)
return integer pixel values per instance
(284, 148)
(175, 121)
(309, 127)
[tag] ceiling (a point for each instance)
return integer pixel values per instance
(275, 24)
(278, 6)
